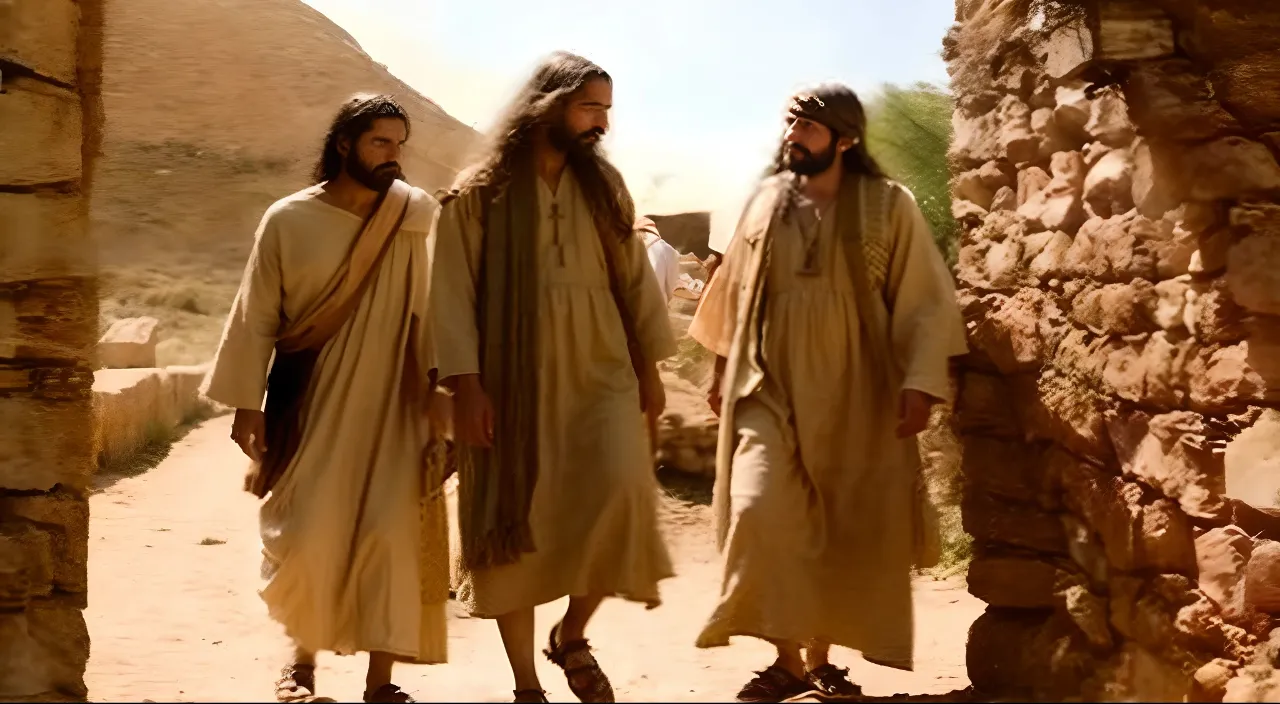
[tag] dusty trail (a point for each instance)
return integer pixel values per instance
(175, 616)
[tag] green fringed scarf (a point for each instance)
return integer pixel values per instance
(495, 489)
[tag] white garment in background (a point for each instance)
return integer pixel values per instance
(665, 261)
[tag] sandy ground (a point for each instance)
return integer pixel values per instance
(175, 616)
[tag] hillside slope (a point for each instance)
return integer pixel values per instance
(215, 109)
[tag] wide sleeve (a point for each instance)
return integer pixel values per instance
(716, 319)
(926, 325)
(455, 271)
(423, 232)
(644, 297)
(239, 375)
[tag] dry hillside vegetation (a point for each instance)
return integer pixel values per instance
(214, 110)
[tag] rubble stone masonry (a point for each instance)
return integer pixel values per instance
(49, 68)
(1115, 170)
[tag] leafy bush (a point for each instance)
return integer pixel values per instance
(908, 132)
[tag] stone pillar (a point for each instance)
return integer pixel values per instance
(1116, 174)
(49, 69)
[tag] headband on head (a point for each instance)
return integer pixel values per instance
(832, 105)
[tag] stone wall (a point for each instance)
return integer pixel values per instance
(49, 73)
(1115, 171)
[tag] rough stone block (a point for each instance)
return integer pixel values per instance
(64, 518)
(1059, 205)
(53, 320)
(1176, 622)
(1012, 470)
(983, 408)
(1109, 119)
(43, 652)
(1253, 273)
(1227, 378)
(44, 236)
(995, 522)
(1262, 577)
(41, 35)
(1085, 548)
(1061, 410)
(1108, 188)
(1254, 683)
(1157, 183)
(1230, 168)
(1019, 582)
(1036, 654)
(1172, 100)
(1019, 332)
(48, 119)
(1117, 309)
(27, 564)
(1246, 85)
(45, 443)
(1176, 453)
(129, 344)
(1135, 535)
(1221, 557)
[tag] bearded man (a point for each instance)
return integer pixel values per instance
(833, 319)
(555, 325)
(354, 532)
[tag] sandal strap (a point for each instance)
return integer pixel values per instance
(387, 693)
(530, 695)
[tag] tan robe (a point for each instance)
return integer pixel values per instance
(816, 492)
(355, 550)
(594, 513)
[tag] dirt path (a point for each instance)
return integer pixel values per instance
(175, 616)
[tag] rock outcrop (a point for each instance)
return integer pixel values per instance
(1120, 285)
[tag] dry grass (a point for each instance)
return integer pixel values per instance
(191, 306)
(156, 442)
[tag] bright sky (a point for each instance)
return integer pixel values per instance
(699, 85)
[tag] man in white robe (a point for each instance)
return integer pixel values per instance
(833, 319)
(555, 326)
(353, 529)
(664, 258)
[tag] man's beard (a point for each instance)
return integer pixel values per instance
(581, 144)
(808, 163)
(377, 179)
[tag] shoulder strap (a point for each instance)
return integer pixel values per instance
(853, 231)
(344, 292)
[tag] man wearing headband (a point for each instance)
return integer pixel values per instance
(833, 319)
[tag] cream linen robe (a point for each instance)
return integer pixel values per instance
(355, 548)
(594, 514)
(814, 490)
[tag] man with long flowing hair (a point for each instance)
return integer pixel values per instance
(833, 319)
(555, 324)
(334, 298)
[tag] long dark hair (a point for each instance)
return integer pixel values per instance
(544, 98)
(354, 118)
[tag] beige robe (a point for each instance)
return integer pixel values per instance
(355, 549)
(594, 513)
(815, 492)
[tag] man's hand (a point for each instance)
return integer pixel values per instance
(653, 394)
(249, 431)
(913, 412)
(713, 396)
(472, 413)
